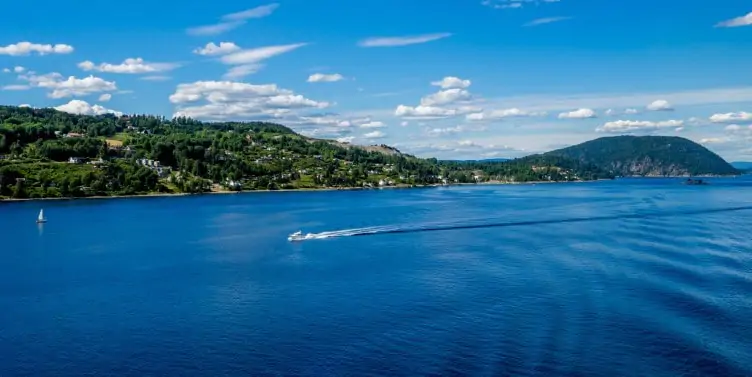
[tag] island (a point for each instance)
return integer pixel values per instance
(45, 153)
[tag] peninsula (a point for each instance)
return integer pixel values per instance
(45, 153)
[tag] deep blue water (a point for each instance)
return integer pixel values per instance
(209, 285)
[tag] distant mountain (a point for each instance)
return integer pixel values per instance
(648, 156)
(742, 165)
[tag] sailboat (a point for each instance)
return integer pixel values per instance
(41, 218)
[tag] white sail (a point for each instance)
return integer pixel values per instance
(41, 218)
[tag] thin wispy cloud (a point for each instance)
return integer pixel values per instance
(233, 20)
(255, 55)
(402, 41)
(745, 20)
(514, 4)
(258, 12)
(546, 20)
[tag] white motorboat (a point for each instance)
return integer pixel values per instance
(297, 236)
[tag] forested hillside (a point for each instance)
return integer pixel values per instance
(648, 156)
(47, 153)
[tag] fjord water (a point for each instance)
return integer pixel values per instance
(209, 285)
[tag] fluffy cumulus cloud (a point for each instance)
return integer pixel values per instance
(227, 100)
(105, 97)
(578, 114)
(741, 116)
(403, 40)
(453, 99)
(627, 126)
(84, 108)
(451, 82)
(212, 49)
(233, 20)
(424, 112)
(321, 77)
(745, 20)
(445, 97)
(27, 48)
(129, 66)
(660, 105)
(60, 87)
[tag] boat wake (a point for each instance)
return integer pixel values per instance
(470, 224)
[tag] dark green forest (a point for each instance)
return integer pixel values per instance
(648, 156)
(47, 153)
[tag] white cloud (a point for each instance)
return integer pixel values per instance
(546, 102)
(745, 20)
(504, 113)
(237, 100)
(660, 105)
(423, 112)
(320, 77)
(405, 124)
(741, 116)
(129, 66)
(70, 87)
(402, 41)
(16, 87)
(105, 97)
(346, 139)
(6, 70)
(212, 49)
(547, 20)
(24, 105)
(26, 48)
(214, 29)
(638, 125)
(713, 140)
(233, 20)
(445, 97)
(19, 69)
(241, 71)
(372, 124)
(631, 111)
(257, 12)
(375, 135)
(578, 114)
(256, 55)
(438, 131)
(514, 4)
(451, 82)
(155, 78)
(84, 108)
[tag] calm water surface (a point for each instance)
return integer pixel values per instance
(209, 285)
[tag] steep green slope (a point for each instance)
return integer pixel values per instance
(648, 156)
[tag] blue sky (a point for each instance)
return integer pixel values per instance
(452, 79)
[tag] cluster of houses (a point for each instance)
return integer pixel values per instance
(162, 171)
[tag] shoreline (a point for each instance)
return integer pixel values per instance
(322, 189)
(167, 195)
